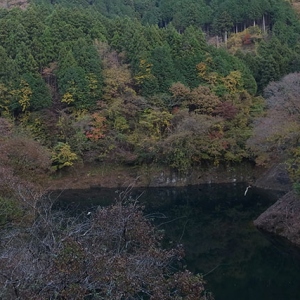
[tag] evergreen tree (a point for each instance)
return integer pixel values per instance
(24, 60)
(163, 67)
(40, 97)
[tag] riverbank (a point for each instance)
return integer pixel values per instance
(111, 176)
(282, 218)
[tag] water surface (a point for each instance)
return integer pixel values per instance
(214, 223)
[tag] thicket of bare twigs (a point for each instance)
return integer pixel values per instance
(112, 253)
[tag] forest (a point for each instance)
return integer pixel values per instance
(136, 83)
(176, 84)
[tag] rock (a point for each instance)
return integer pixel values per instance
(14, 3)
(275, 178)
(283, 218)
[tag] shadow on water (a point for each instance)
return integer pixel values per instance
(214, 223)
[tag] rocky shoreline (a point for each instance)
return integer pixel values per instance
(281, 219)
(111, 176)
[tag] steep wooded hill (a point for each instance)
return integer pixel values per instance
(92, 84)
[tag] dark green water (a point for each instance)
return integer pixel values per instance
(214, 223)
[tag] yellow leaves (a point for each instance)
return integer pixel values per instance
(9, 97)
(144, 72)
(202, 69)
(62, 156)
(92, 83)
(116, 80)
(4, 110)
(121, 124)
(293, 165)
(245, 40)
(37, 128)
(117, 75)
(25, 94)
(233, 82)
(212, 78)
(203, 100)
(155, 122)
(67, 98)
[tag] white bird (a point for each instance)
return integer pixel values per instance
(246, 191)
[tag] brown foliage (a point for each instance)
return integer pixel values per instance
(5, 128)
(203, 100)
(117, 76)
(24, 165)
(278, 130)
(26, 157)
(226, 110)
(179, 92)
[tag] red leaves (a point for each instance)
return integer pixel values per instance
(226, 110)
(246, 39)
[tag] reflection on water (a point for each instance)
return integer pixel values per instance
(214, 223)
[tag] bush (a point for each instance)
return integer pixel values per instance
(63, 156)
(112, 253)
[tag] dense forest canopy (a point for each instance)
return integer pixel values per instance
(177, 83)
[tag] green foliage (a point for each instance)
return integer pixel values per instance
(293, 169)
(293, 166)
(179, 156)
(155, 123)
(75, 88)
(163, 67)
(10, 211)
(223, 23)
(140, 73)
(296, 188)
(40, 94)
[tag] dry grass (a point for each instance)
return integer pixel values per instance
(296, 6)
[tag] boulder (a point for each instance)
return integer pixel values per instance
(283, 218)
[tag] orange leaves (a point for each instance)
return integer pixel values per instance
(98, 128)
(246, 39)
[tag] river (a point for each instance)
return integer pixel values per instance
(214, 223)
